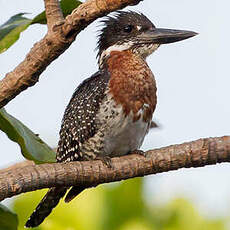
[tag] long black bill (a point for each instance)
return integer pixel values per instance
(164, 36)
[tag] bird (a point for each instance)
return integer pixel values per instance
(110, 112)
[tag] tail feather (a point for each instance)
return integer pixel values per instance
(44, 208)
(74, 191)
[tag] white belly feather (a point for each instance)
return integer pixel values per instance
(121, 134)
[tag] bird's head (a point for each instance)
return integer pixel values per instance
(128, 30)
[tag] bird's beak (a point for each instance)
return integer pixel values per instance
(164, 36)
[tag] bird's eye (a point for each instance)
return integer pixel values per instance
(128, 28)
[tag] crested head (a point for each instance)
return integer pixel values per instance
(128, 30)
(120, 32)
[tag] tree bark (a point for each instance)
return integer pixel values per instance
(53, 13)
(197, 153)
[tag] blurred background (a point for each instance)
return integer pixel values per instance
(193, 94)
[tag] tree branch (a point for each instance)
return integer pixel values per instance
(17, 166)
(59, 37)
(91, 173)
(53, 13)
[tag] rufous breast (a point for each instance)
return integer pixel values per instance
(132, 84)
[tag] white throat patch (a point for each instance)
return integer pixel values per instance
(116, 47)
(143, 50)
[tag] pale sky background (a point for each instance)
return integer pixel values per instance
(193, 91)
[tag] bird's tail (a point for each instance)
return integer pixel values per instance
(74, 191)
(44, 208)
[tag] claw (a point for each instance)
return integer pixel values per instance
(139, 152)
(106, 160)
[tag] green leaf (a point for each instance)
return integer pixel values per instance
(8, 219)
(67, 7)
(32, 147)
(10, 31)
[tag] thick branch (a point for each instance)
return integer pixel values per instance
(59, 37)
(91, 173)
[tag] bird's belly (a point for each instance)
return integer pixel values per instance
(121, 134)
(125, 137)
(118, 133)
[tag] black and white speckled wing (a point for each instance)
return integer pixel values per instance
(79, 121)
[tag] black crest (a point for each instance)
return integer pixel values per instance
(121, 27)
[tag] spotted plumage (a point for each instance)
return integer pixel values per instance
(79, 122)
(110, 113)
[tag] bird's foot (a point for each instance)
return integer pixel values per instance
(139, 152)
(105, 160)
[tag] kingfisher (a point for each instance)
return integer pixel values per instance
(110, 113)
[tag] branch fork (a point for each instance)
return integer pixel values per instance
(61, 33)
